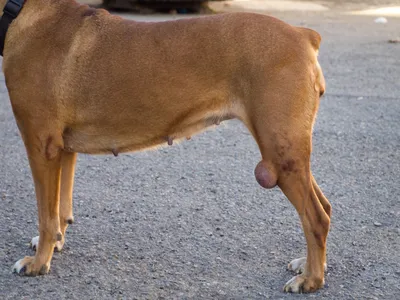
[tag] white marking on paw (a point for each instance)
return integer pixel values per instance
(298, 265)
(34, 244)
(294, 285)
(18, 266)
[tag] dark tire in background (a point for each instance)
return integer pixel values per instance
(165, 6)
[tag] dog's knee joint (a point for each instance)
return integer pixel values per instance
(265, 175)
(289, 166)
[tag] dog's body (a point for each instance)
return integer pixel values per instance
(83, 81)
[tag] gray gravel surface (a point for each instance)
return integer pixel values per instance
(190, 221)
(355, 3)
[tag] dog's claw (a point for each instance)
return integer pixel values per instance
(43, 270)
(170, 141)
(295, 285)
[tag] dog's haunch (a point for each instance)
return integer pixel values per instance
(265, 175)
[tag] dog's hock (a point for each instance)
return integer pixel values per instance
(265, 175)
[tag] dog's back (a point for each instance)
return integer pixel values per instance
(151, 68)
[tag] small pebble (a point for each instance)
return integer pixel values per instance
(381, 20)
(377, 224)
(394, 41)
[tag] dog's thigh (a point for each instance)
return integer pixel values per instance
(281, 121)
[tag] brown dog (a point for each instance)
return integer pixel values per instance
(83, 81)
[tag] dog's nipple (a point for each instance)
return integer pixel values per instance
(170, 141)
(115, 152)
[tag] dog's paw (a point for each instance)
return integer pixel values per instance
(298, 265)
(302, 284)
(35, 243)
(27, 267)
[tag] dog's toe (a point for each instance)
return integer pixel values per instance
(27, 267)
(302, 284)
(294, 285)
(34, 244)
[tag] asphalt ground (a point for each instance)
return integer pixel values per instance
(348, 4)
(190, 221)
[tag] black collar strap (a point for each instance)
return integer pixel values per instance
(10, 12)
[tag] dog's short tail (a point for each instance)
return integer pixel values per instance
(313, 36)
(315, 40)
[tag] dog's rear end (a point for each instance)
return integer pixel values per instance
(96, 83)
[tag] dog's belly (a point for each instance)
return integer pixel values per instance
(115, 139)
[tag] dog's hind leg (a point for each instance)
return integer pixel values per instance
(282, 127)
(325, 203)
(300, 191)
(291, 168)
(298, 265)
(44, 153)
(68, 162)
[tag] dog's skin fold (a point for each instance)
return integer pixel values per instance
(83, 81)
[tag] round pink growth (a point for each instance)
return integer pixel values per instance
(265, 175)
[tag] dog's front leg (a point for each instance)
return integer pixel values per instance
(45, 160)
(68, 162)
